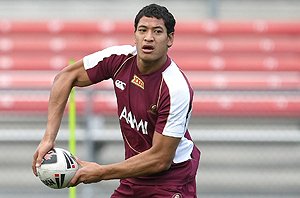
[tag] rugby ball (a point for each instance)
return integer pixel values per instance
(58, 168)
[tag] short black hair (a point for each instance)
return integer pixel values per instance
(159, 12)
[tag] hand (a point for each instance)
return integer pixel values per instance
(40, 152)
(89, 172)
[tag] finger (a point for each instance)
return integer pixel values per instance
(75, 180)
(34, 163)
(38, 160)
(80, 162)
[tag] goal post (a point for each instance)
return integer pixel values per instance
(72, 130)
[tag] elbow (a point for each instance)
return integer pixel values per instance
(63, 78)
(163, 165)
(58, 77)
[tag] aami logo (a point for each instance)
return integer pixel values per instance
(137, 81)
(133, 123)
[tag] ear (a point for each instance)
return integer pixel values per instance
(170, 39)
(134, 38)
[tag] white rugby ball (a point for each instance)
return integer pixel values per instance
(58, 168)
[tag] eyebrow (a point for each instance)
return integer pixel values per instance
(156, 27)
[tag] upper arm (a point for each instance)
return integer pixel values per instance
(76, 73)
(164, 147)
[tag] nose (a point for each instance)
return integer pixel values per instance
(149, 36)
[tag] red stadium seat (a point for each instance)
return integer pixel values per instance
(186, 62)
(122, 27)
(241, 105)
(238, 63)
(236, 44)
(51, 44)
(207, 45)
(244, 81)
(198, 80)
(34, 81)
(239, 27)
(225, 105)
(218, 56)
(184, 43)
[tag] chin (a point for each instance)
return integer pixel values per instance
(147, 57)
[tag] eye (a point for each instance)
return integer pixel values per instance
(158, 31)
(142, 30)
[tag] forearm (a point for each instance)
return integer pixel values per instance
(57, 102)
(73, 75)
(143, 164)
(154, 160)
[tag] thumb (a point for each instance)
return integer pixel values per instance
(79, 161)
(39, 160)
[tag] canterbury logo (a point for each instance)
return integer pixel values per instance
(121, 85)
(177, 195)
(137, 81)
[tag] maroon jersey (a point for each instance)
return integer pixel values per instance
(160, 101)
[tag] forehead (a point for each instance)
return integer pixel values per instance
(151, 22)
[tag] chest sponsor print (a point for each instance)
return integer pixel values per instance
(130, 119)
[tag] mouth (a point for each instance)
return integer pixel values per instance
(147, 48)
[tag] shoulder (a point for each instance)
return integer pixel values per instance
(175, 79)
(120, 49)
(114, 51)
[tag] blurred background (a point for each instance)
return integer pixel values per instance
(242, 59)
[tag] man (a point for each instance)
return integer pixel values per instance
(154, 106)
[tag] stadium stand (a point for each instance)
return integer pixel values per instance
(246, 77)
(260, 59)
(244, 67)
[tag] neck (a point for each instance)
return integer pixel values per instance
(148, 67)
